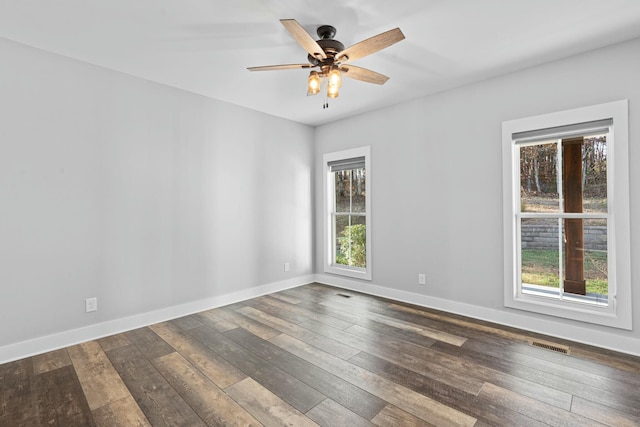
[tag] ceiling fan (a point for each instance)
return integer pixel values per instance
(331, 59)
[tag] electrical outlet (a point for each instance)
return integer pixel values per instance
(91, 304)
(286, 267)
(422, 279)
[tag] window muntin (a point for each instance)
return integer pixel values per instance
(605, 213)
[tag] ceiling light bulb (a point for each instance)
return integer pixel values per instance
(313, 84)
(335, 78)
(332, 91)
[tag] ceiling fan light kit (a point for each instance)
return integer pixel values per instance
(331, 58)
(313, 83)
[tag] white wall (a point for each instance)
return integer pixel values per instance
(144, 196)
(159, 201)
(437, 186)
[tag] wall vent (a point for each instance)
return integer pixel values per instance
(551, 347)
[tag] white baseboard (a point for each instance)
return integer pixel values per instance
(583, 335)
(63, 339)
(574, 333)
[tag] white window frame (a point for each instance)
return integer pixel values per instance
(617, 313)
(329, 200)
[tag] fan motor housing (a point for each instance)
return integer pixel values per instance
(331, 47)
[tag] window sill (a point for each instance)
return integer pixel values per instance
(572, 308)
(554, 294)
(353, 272)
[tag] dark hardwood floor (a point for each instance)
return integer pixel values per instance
(317, 355)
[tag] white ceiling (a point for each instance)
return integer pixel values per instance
(205, 46)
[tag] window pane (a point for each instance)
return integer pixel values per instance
(351, 241)
(592, 259)
(539, 178)
(594, 168)
(342, 181)
(539, 258)
(358, 193)
(341, 227)
(595, 257)
(350, 190)
(358, 238)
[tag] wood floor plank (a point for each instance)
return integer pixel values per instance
(159, 402)
(344, 393)
(113, 341)
(398, 333)
(554, 369)
(305, 312)
(407, 334)
(209, 319)
(525, 387)
(210, 402)
(331, 312)
(406, 399)
(17, 394)
(330, 414)
(121, 413)
(408, 326)
(456, 370)
(587, 365)
(218, 370)
(149, 343)
(101, 383)
(549, 379)
(255, 327)
(601, 356)
(277, 308)
(480, 408)
(286, 298)
(391, 341)
(535, 409)
(326, 344)
(231, 307)
(603, 414)
(421, 312)
(392, 416)
(288, 388)
(60, 400)
(445, 371)
(49, 361)
(594, 359)
(187, 322)
(265, 406)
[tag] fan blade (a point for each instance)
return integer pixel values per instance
(370, 45)
(280, 67)
(303, 38)
(363, 74)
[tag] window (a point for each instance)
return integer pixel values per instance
(347, 231)
(566, 212)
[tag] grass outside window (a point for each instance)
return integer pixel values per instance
(540, 267)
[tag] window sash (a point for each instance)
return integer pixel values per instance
(545, 136)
